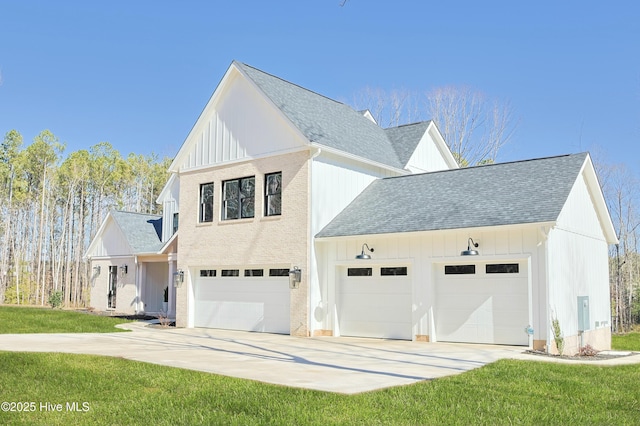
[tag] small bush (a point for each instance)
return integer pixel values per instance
(557, 335)
(588, 350)
(55, 299)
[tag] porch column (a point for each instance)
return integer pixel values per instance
(173, 260)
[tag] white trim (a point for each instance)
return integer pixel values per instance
(493, 228)
(358, 158)
(442, 146)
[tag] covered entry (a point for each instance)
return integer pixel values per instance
(238, 302)
(482, 302)
(375, 301)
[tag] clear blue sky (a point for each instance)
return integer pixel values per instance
(138, 73)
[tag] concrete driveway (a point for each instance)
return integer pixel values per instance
(335, 364)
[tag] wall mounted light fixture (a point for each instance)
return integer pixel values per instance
(124, 269)
(362, 254)
(469, 251)
(295, 276)
(178, 279)
(96, 270)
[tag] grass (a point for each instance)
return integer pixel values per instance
(118, 391)
(626, 342)
(115, 391)
(20, 320)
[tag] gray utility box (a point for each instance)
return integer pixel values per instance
(583, 313)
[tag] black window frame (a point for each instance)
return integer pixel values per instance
(459, 269)
(230, 272)
(502, 268)
(208, 272)
(393, 271)
(272, 194)
(205, 212)
(176, 221)
(254, 272)
(358, 272)
(279, 272)
(241, 199)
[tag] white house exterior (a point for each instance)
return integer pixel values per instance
(274, 178)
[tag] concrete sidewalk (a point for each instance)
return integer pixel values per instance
(334, 364)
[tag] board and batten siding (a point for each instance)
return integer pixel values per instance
(335, 183)
(238, 124)
(170, 199)
(578, 263)
(425, 251)
(427, 157)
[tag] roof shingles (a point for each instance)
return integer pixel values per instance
(529, 191)
(142, 231)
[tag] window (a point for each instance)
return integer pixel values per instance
(206, 202)
(175, 222)
(238, 198)
(399, 270)
(278, 272)
(254, 272)
(359, 272)
(273, 194)
(230, 273)
(207, 272)
(503, 268)
(459, 269)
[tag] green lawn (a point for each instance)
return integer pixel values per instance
(101, 390)
(117, 391)
(20, 320)
(626, 342)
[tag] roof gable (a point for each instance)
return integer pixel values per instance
(142, 231)
(529, 191)
(324, 121)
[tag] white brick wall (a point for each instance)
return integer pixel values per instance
(276, 240)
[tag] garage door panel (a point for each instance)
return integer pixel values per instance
(375, 306)
(482, 308)
(255, 304)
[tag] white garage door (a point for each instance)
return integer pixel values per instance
(482, 303)
(375, 302)
(243, 303)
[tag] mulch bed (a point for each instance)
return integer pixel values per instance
(596, 357)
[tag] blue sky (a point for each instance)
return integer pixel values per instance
(138, 73)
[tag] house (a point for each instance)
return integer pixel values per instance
(131, 267)
(293, 213)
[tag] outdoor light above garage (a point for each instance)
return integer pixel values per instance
(469, 251)
(362, 254)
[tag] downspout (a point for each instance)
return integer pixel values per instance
(138, 287)
(544, 231)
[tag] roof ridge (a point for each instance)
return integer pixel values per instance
(293, 84)
(138, 213)
(486, 165)
(407, 124)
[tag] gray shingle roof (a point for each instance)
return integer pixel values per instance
(499, 194)
(325, 121)
(405, 139)
(143, 231)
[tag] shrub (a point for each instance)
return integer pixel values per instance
(557, 335)
(55, 299)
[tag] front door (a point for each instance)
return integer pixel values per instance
(113, 284)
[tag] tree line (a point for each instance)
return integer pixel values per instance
(52, 206)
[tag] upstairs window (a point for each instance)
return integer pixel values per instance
(238, 198)
(273, 194)
(206, 202)
(175, 222)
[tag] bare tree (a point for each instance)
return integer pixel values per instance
(389, 108)
(474, 126)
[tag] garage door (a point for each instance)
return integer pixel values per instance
(254, 303)
(375, 302)
(482, 303)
